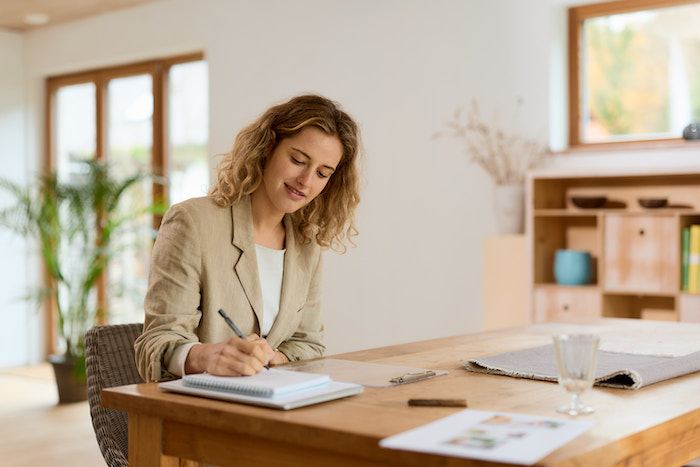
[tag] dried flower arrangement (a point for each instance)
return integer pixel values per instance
(505, 156)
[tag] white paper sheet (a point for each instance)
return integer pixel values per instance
(490, 436)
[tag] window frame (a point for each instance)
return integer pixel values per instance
(577, 15)
(159, 71)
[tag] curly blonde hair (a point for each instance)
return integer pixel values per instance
(330, 218)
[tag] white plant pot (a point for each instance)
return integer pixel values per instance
(510, 207)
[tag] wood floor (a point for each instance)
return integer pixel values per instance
(35, 430)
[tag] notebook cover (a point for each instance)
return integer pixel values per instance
(332, 390)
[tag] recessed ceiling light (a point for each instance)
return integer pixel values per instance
(36, 19)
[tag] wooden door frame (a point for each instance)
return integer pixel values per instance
(159, 70)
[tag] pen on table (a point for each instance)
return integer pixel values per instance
(412, 377)
(438, 402)
(235, 329)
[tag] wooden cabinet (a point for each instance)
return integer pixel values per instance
(504, 260)
(640, 253)
(635, 251)
(552, 303)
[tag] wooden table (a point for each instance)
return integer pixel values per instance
(654, 426)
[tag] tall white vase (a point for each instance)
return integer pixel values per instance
(510, 207)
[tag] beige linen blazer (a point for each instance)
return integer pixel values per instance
(203, 260)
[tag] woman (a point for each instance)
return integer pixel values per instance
(252, 248)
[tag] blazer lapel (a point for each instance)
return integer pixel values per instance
(246, 266)
(296, 275)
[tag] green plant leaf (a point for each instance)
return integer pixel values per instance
(75, 223)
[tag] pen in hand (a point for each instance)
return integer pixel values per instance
(235, 329)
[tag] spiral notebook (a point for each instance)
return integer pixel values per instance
(285, 392)
(267, 383)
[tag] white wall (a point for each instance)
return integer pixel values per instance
(400, 67)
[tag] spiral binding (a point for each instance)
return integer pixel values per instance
(219, 385)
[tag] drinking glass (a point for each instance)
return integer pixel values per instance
(576, 362)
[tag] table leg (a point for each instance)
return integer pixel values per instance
(145, 440)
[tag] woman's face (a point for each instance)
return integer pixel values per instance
(299, 168)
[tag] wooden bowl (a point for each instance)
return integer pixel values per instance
(652, 203)
(588, 202)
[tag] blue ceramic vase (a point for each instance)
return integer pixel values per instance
(572, 267)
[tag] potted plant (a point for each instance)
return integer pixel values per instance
(75, 224)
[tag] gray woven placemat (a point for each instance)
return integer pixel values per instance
(614, 369)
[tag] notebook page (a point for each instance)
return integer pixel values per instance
(267, 383)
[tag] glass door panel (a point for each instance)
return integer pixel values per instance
(188, 118)
(76, 140)
(129, 150)
(76, 144)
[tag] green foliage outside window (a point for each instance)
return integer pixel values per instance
(632, 64)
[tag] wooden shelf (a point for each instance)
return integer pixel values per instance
(636, 293)
(599, 212)
(563, 212)
(635, 251)
(552, 285)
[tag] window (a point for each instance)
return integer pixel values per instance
(634, 70)
(148, 117)
(188, 117)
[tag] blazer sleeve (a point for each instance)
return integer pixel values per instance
(172, 304)
(305, 343)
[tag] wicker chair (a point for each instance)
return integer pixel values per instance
(110, 361)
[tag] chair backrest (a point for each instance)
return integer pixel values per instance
(109, 362)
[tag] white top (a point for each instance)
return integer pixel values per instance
(270, 269)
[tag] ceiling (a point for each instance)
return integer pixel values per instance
(13, 12)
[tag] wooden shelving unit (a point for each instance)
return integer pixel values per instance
(636, 251)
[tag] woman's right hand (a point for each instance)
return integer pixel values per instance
(233, 357)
